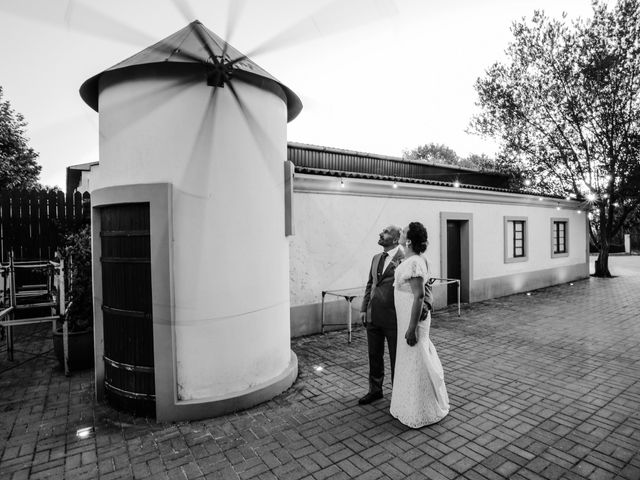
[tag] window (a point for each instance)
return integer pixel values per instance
(515, 239)
(518, 238)
(559, 237)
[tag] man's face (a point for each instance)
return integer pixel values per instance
(388, 237)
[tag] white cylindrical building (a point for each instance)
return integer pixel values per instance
(207, 158)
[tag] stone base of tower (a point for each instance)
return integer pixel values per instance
(216, 406)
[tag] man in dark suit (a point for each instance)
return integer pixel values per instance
(378, 312)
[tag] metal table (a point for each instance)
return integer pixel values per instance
(348, 294)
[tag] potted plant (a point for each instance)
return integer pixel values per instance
(77, 327)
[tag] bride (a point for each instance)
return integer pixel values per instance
(419, 395)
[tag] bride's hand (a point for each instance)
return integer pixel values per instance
(410, 336)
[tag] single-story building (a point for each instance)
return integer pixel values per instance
(494, 240)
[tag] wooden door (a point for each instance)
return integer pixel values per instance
(454, 259)
(127, 308)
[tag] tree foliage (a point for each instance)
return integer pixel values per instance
(565, 107)
(442, 154)
(77, 254)
(18, 166)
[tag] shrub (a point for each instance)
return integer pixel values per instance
(77, 255)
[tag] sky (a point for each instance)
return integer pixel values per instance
(377, 76)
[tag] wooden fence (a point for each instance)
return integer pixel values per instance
(33, 224)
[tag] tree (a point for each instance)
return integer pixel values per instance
(433, 152)
(18, 167)
(565, 109)
(439, 153)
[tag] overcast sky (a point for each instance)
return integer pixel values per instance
(376, 76)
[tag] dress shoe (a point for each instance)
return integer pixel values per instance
(370, 397)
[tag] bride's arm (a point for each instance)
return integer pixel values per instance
(417, 288)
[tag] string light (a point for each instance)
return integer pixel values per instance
(456, 184)
(527, 182)
(591, 196)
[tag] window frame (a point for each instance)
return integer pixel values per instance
(510, 239)
(554, 221)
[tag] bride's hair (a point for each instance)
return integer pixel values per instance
(418, 236)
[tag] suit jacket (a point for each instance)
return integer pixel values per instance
(378, 296)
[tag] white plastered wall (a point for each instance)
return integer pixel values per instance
(230, 258)
(337, 231)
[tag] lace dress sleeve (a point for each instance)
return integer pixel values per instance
(415, 267)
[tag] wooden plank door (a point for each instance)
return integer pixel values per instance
(127, 308)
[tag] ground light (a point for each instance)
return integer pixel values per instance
(84, 432)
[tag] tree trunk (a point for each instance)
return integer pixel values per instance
(602, 262)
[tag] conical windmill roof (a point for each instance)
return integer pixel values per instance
(177, 48)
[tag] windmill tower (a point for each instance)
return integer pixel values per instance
(190, 255)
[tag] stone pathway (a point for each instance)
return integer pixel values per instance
(542, 386)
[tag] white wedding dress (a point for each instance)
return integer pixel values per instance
(419, 396)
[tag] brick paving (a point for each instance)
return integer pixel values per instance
(545, 386)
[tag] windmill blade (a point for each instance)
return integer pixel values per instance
(189, 16)
(193, 174)
(335, 17)
(262, 138)
(235, 9)
(185, 9)
(79, 17)
(168, 90)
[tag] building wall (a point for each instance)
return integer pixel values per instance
(336, 233)
(228, 253)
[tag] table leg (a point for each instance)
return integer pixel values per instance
(322, 314)
(349, 300)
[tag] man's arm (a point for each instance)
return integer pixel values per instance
(367, 296)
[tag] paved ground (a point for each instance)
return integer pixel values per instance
(545, 386)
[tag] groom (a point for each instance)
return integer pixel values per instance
(378, 313)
